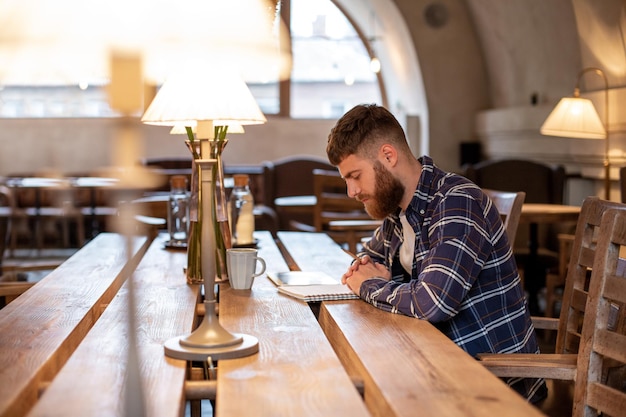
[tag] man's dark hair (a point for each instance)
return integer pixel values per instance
(361, 130)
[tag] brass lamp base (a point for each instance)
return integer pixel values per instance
(211, 339)
(175, 349)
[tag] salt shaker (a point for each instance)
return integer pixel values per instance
(178, 211)
(240, 209)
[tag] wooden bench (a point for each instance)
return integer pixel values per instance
(40, 330)
(407, 365)
(296, 372)
(97, 374)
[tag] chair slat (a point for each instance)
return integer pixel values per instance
(586, 257)
(572, 342)
(610, 345)
(615, 289)
(579, 300)
(606, 399)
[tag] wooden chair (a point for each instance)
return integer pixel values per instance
(603, 352)
(555, 279)
(41, 204)
(287, 177)
(5, 221)
(10, 288)
(341, 217)
(509, 205)
(563, 363)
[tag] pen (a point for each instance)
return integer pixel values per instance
(354, 257)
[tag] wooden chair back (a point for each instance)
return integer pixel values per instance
(342, 217)
(333, 202)
(509, 205)
(542, 183)
(291, 176)
(287, 177)
(578, 281)
(600, 382)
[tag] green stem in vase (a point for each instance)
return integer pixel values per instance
(220, 132)
(194, 250)
(191, 140)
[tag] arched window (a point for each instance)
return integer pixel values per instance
(331, 65)
(331, 73)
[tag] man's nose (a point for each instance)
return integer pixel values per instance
(352, 191)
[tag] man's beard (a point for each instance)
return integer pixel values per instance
(388, 193)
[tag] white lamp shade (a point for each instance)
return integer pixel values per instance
(70, 41)
(574, 117)
(180, 129)
(199, 95)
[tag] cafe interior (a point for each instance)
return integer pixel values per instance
(108, 110)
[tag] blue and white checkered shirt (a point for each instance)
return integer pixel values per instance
(464, 279)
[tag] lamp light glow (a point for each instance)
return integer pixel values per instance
(576, 117)
(204, 95)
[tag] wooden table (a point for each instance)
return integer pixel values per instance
(296, 372)
(40, 330)
(301, 368)
(95, 376)
(549, 213)
(408, 367)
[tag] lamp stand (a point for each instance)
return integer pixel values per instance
(210, 338)
(606, 162)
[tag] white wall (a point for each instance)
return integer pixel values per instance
(84, 145)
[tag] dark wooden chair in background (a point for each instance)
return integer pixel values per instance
(10, 288)
(343, 218)
(291, 176)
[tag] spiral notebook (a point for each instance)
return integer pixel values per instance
(310, 286)
(310, 293)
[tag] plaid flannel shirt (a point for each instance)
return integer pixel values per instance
(464, 279)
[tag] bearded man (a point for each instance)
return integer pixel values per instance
(442, 253)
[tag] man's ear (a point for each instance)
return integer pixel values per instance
(388, 154)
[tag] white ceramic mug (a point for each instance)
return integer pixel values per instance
(242, 265)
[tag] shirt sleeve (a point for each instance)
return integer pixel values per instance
(450, 252)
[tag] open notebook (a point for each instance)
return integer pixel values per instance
(310, 286)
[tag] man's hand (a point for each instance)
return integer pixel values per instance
(361, 269)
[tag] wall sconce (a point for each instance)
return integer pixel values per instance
(576, 117)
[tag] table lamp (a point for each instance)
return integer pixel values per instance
(204, 98)
(576, 117)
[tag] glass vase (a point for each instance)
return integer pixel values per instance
(223, 237)
(194, 243)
